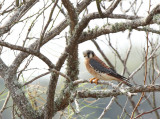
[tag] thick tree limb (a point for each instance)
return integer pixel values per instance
(68, 50)
(148, 29)
(59, 105)
(114, 28)
(83, 22)
(22, 56)
(72, 13)
(112, 7)
(3, 68)
(152, 13)
(18, 95)
(109, 93)
(10, 75)
(83, 5)
(99, 8)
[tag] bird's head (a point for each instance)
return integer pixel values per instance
(88, 54)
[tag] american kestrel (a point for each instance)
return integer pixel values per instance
(100, 70)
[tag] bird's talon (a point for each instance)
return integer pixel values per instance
(95, 80)
(90, 80)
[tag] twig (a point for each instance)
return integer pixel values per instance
(146, 112)
(3, 91)
(127, 55)
(18, 14)
(35, 78)
(99, 8)
(5, 103)
(26, 65)
(145, 78)
(50, 70)
(107, 108)
(115, 50)
(119, 56)
(142, 64)
(122, 108)
(47, 24)
(62, 11)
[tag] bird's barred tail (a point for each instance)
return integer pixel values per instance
(127, 83)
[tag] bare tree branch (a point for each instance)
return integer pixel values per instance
(72, 13)
(152, 13)
(3, 68)
(29, 51)
(47, 24)
(107, 108)
(5, 103)
(18, 14)
(148, 29)
(106, 29)
(153, 53)
(68, 50)
(146, 112)
(78, 18)
(19, 98)
(99, 8)
(109, 93)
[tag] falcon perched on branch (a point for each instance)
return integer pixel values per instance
(100, 70)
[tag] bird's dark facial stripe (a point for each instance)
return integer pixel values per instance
(90, 54)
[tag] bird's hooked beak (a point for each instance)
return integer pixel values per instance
(85, 53)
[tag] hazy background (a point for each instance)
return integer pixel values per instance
(54, 48)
